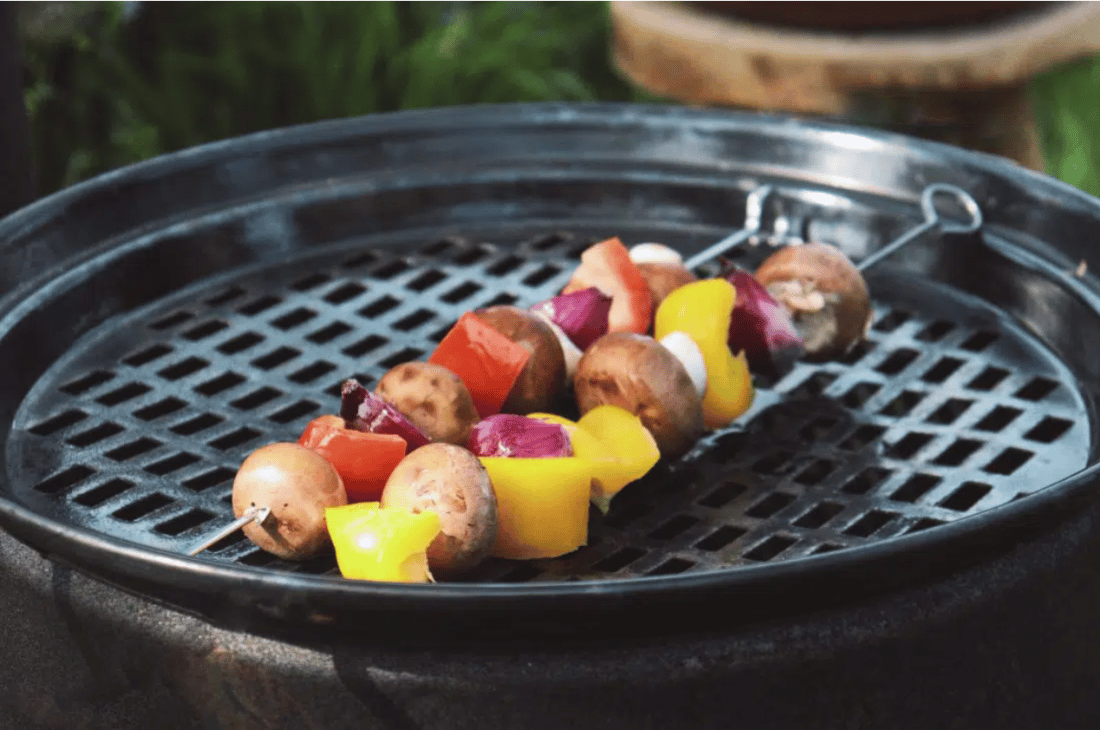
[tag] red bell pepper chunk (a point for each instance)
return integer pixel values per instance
(363, 460)
(487, 362)
(607, 266)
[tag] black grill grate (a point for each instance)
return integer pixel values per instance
(947, 410)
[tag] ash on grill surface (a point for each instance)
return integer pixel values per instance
(947, 410)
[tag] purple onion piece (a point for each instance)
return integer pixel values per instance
(581, 315)
(762, 328)
(362, 410)
(519, 437)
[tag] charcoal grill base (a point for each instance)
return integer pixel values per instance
(1007, 645)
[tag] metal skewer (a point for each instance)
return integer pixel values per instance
(754, 204)
(252, 514)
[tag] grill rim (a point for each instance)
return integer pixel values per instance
(914, 554)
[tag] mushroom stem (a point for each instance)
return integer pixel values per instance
(690, 356)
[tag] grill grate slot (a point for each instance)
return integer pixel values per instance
(936, 416)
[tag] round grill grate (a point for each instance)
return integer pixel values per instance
(947, 410)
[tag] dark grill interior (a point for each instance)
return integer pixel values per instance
(949, 409)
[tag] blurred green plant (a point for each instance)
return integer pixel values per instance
(104, 91)
(1067, 107)
(180, 74)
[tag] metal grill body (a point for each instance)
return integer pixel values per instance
(879, 511)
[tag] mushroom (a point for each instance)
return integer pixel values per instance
(662, 267)
(296, 484)
(663, 279)
(433, 398)
(542, 377)
(451, 482)
(825, 294)
(637, 373)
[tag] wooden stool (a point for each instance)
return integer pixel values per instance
(963, 84)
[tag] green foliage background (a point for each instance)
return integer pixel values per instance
(103, 91)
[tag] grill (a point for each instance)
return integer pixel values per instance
(163, 321)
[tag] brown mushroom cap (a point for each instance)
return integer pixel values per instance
(639, 374)
(541, 381)
(296, 484)
(825, 294)
(451, 482)
(433, 398)
(665, 278)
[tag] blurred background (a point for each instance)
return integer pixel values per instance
(109, 84)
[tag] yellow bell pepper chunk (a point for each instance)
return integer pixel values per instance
(621, 450)
(702, 311)
(382, 544)
(542, 505)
